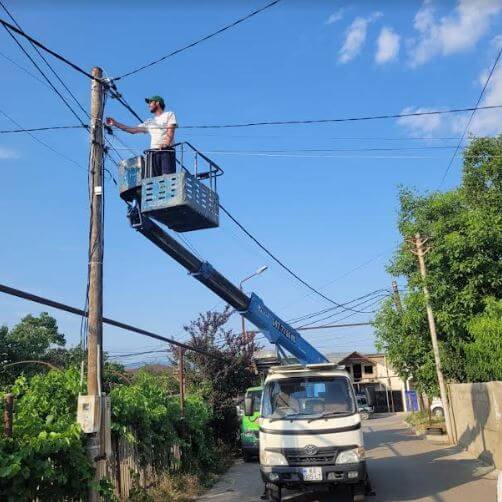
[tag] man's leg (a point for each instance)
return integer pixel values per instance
(168, 161)
(157, 163)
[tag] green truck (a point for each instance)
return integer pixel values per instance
(250, 428)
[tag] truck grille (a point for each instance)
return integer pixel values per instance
(298, 456)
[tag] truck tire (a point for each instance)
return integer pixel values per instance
(359, 497)
(274, 492)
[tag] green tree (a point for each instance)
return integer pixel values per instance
(484, 354)
(464, 226)
(224, 377)
(33, 338)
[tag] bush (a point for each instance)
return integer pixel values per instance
(46, 458)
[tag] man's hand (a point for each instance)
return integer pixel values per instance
(111, 121)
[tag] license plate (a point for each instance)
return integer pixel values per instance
(312, 473)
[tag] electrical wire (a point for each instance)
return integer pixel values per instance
(471, 117)
(336, 120)
(197, 42)
(36, 129)
(279, 262)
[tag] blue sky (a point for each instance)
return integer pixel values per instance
(324, 213)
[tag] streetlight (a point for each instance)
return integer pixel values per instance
(258, 272)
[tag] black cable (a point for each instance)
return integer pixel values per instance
(280, 263)
(53, 87)
(330, 309)
(118, 324)
(471, 117)
(46, 62)
(38, 140)
(193, 44)
(35, 129)
(46, 49)
(347, 119)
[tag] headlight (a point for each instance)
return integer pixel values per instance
(350, 456)
(272, 458)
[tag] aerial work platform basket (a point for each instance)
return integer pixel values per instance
(185, 200)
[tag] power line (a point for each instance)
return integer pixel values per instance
(197, 42)
(38, 140)
(36, 129)
(46, 49)
(46, 62)
(281, 264)
(472, 116)
(118, 324)
(335, 120)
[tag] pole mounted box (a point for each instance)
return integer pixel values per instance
(89, 413)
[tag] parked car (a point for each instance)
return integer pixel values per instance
(437, 407)
(365, 410)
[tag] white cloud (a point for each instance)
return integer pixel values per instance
(7, 154)
(484, 123)
(336, 16)
(420, 125)
(488, 122)
(387, 46)
(458, 31)
(355, 37)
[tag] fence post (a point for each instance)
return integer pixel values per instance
(7, 414)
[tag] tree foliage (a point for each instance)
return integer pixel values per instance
(464, 227)
(220, 379)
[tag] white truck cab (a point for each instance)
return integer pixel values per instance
(310, 431)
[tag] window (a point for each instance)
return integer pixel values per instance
(368, 370)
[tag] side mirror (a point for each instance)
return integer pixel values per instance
(248, 406)
(370, 396)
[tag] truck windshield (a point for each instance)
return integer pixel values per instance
(297, 397)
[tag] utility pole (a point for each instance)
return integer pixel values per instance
(8, 412)
(181, 370)
(95, 294)
(420, 252)
(397, 298)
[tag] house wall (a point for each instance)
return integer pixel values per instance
(477, 419)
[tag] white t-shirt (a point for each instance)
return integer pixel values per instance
(157, 127)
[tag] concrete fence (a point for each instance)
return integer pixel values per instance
(477, 419)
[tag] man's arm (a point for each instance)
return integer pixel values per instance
(131, 130)
(168, 137)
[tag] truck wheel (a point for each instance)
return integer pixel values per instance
(360, 497)
(274, 492)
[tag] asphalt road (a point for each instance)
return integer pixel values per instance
(401, 465)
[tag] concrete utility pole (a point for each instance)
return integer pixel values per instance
(420, 252)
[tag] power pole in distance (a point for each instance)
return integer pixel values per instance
(420, 252)
(181, 370)
(397, 298)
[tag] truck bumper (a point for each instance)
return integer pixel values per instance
(331, 474)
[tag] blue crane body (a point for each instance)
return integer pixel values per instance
(182, 202)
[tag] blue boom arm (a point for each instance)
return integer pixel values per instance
(252, 308)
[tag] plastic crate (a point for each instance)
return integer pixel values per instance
(180, 201)
(131, 172)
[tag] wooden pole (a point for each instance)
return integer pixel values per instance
(95, 293)
(181, 369)
(8, 414)
(420, 252)
(95, 323)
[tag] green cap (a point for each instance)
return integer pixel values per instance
(159, 100)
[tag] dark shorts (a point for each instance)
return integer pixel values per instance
(163, 162)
